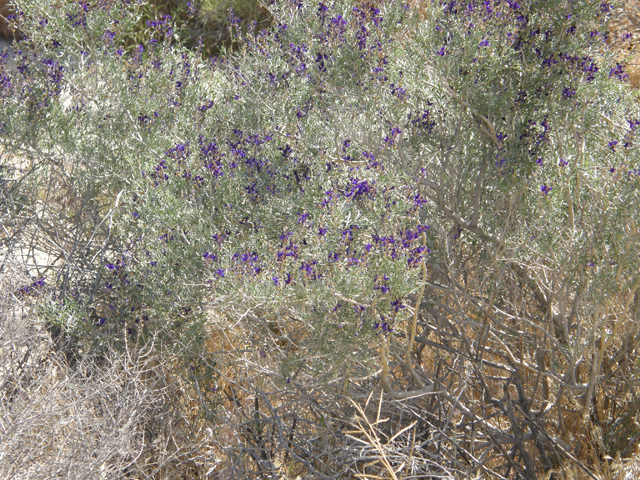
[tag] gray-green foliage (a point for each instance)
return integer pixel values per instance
(201, 185)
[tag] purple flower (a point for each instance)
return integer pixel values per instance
(398, 92)
(109, 36)
(359, 188)
(338, 21)
(276, 281)
(322, 231)
(397, 305)
(302, 217)
(384, 327)
(180, 152)
(220, 272)
(35, 285)
(618, 72)
(563, 162)
(545, 189)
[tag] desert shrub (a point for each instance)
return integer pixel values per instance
(437, 195)
(212, 22)
(112, 416)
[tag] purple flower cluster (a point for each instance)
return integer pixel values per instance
(79, 19)
(359, 188)
(179, 153)
(33, 288)
(162, 26)
(423, 121)
(109, 37)
(397, 305)
(247, 264)
(383, 326)
(618, 72)
(381, 284)
(403, 244)
(210, 256)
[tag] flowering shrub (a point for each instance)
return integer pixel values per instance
(358, 177)
(213, 20)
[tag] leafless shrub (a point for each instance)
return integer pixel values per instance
(302, 426)
(503, 393)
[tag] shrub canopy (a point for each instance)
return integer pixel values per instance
(355, 168)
